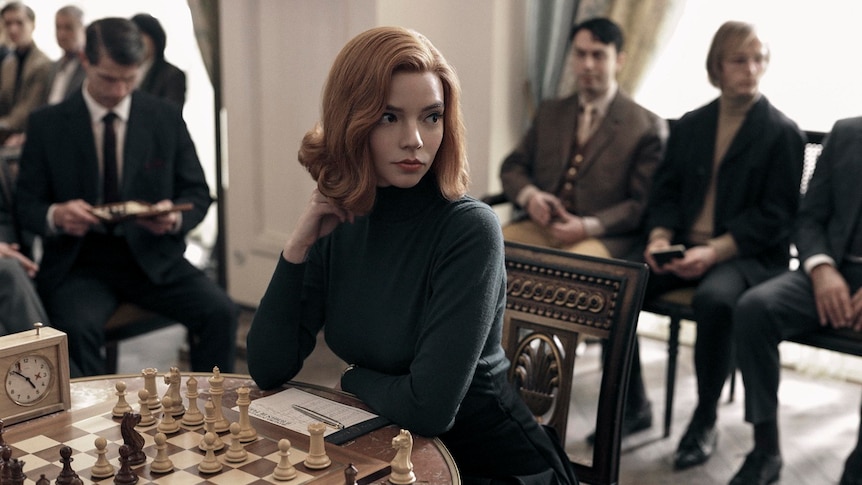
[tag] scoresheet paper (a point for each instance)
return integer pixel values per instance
(278, 409)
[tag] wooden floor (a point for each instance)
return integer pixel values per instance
(819, 416)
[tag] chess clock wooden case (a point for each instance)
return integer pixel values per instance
(35, 366)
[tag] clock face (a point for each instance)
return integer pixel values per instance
(29, 379)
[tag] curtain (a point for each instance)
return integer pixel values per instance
(646, 25)
(547, 40)
(205, 19)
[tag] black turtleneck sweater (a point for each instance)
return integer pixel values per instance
(413, 294)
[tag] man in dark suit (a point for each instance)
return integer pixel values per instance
(109, 143)
(67, 73)
(158, 76)
(827, 291)
(727, 190)
(24, 72)
(583, 171)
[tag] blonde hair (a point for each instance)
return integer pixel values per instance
(730, 35)
(336, 151)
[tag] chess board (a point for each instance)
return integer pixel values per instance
(38, 444)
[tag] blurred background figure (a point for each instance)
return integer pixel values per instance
(67, 73)
(158, 76)
(24, 72)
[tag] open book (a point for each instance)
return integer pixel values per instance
(132, 209)
(295, 410)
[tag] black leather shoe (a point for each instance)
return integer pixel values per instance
(639, 420)
(852, 469)
(759, 468)
(696, 446)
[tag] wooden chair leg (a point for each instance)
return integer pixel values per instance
(672, 353)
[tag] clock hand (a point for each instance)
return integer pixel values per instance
(25, 378)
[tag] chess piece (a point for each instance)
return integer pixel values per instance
(125, 475)
(102, 468)
(210, 463)
(402, 466)
(209, 427)
(5, 470)
(216, 392)
(66, 474)
(16, 473)
(246, 432)
(168, 425)
(43, 480)
(161, 463)
(193, 418)
(316, 458)
(284, 470)
(122, 406)
(236, 452)
(173, 380)
(132, 438)
(350, 474)
(147, 418)
(150, 374)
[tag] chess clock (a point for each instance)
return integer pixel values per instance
(35, 366)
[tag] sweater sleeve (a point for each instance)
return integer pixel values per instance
(285, 326)
(459, 341)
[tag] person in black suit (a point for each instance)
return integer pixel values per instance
(89, 267)
(827, 291)
(727, 190)
(158, 76)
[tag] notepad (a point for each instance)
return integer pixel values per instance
(279, 409)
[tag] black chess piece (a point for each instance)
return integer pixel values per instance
(17, 475)
(67, 475)
(133, 438)
(5, 460)
(350, 474)
(43, 481)
(125, 475)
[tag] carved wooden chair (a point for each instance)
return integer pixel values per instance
(553, 299)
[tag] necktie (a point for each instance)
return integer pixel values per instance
(110, 190)
(585, 124)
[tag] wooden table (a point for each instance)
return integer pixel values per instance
(431, 460)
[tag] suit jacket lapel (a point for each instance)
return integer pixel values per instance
(566, 128)
(136, 149)
(750, 130)
(604, 134)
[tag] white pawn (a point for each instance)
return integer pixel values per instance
(210, 463)
(161, 463)
(246, 432)
(122, 405)
(168, 425)
(193, 418)
(284, 470)
(316, 458)
(102, 468)
(209, 427)
(147, 418)
(236, 453)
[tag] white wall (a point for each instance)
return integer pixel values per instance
(276, 55)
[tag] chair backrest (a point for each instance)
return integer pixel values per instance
(553, 299)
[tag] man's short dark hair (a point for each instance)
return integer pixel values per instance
(18, 6)
(603, 29)
(151, 26)
(118, 38)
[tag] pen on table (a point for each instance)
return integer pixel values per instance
(320, 417)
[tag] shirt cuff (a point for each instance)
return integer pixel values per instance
(661, 233)
(593, 226)
(525, 195)
(52, 229)
(725, 247)
(816, 260)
